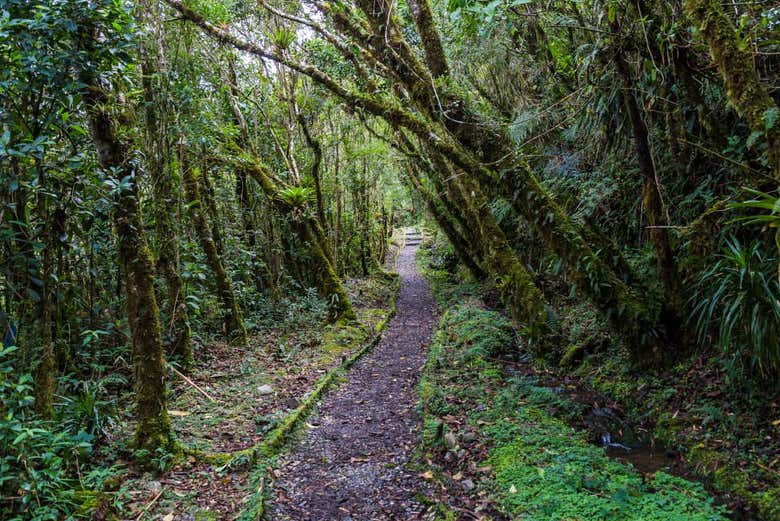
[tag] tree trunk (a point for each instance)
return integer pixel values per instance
(316, 149)
(233, 322)
(429, 36)
(153, 429)
(736, 67)
(46, 372)
(166, 216)
(651, 198)
(311, 235)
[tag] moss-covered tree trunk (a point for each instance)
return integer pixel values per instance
(246, 204)
(429, 36)
(311, 235)
(46, 371)
(233, 322)
(316, 148)
(515, 284)
(658, 229)
(737, 68)
(328, 282)
(153, 428)
(208, 199)
(166, 214)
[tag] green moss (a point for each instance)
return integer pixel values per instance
(543, 469)
(736, 65)
(726, 476)
(570, 354)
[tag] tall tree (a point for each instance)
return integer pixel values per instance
(153, 429)
(159, 154)
(233, 321)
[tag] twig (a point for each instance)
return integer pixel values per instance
(149, 505)
(768, 469)
(666, 227)
(201, 391)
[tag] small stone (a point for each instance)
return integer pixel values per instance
(450, 440)
(265, 389)
(468, 484)
(468, 436)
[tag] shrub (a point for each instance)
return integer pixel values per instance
(38, 465)
(736, 300)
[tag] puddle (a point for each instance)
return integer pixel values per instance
(646, 456)
(647, 459)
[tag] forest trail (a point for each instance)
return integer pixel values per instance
(350, 463)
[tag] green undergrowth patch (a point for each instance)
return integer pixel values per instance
(727, 432)
(436, 265)
(540, 468)
(728, 436)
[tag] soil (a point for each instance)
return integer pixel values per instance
(353, 462)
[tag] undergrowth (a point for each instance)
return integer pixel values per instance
(701, 406)
(542, 469)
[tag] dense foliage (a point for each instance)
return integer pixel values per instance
(174, 172)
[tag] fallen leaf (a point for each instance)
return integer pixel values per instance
(513, 489)
(458, 476)
(168, 517)
(427, 475)
(178, 413)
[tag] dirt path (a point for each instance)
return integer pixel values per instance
(350, 464)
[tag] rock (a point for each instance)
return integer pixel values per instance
(468, 437)
(265, 389)
(450, 440)
(468, 484)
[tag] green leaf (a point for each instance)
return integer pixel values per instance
(770, 117)
(753, 138)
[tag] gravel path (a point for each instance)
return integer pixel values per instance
(350, 464)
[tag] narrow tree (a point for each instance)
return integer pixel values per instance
(153, 429)
(233, 322)
(165, 200)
